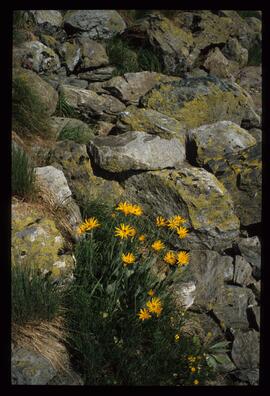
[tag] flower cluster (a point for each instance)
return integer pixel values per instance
(173, 223)
(88, 225)
(193, 363)
(154, 306)
(128, 208)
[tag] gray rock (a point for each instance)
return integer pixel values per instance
(250, 249)
(51, 17)
(136, 151)
(196, 195)
(218, 65)
(99, 24)
(203, 100)
(76, 82)
(100, 74)
(235, 52)
(56, 191)
(242, 271)
(250, 79)
(39, 57)
(256, 133)
(93, 53)
(71, 55)
(30, 368)
(231, 307)
(256, 316)
(250, 376)
(246, 349)
(90, 104)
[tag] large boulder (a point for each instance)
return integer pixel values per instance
(39, 57)
(246, 349)
(93, 53)
(48, 20)
(198, 101)
(36, 241)
(234, 157)
(136, 151)
(48, 96)
(150, 121)
(195, 194)
(55, 190)
(235, 52)
(99, 24)
(130, 87)
(171, 42)
(218, 65)
(84, 184)
(70, 54)
(99, 74)
(89, 104)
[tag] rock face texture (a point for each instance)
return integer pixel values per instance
(136, 151)
(42, 58)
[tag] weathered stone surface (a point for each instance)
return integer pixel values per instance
(136, 151)
(76, 166)
(100, 74)
(103, 128)
(173, 43)
(47, 95)
(217, 141)
(250, 249)
(30, 368)
(218, 65)
(150, 121)
(198, 101)
(231, 307)
(235, 52)
(246, 349)
(99, 24)
(65, 128)
(93, 53)
(242, 271)
(71, 54)
(231, 153)
(248, 376)
(50, 17)
(257, 134)
(194, 193)
(90, 104)
(39, 57)
(55, 190)
(250, 79)
(256, 316)
(37, 241)
(206, 271)
(131, 86)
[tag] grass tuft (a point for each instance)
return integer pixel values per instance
(23, 177)
(63, 109)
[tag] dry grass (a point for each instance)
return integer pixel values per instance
(46, 338)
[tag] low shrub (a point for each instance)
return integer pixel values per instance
(63, 109)
(23, 177)
(28, 112)
(34, 296)
(124, 326)
(77, 134)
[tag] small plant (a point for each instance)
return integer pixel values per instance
(77, 134)
(63, 109)
(148, 60)
(124, 327)
(122, 56)
(28, 112)
(23, 177)
(34, 296)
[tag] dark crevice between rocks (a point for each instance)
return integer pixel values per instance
(252, 320)
(233, 251)
(253, 230)
(191, 152)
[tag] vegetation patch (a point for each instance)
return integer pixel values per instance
(77, 134)
(23, 177)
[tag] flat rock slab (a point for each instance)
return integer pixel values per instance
(203, 100)
(196, 195)
(150, 121)
(250, 249)
(246, 349)
(99, 24)
(51, 17)
(136, 151)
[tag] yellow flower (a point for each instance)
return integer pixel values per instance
(142, 238)
(124, 231)
(88, 225)
(195, 382)
(158, 245)
(144, 314)
(173, 223)
(182, 258)
(136, 210)
(128, 258)
(193, 369)
(191, 359)
(160, 221)
(182, 232)
(179, 220)
(151, 292)
(124, 207)
(170, 258)
(177, 337)
(154, 306)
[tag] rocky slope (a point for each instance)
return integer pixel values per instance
(184, 140)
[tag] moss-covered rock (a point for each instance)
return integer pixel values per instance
(39, 57)
(150, 121)
(93, 53)
(203, 100)
(193, 193)
(71, 128)
(71, 55)
(36, 241)
(74, 160)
